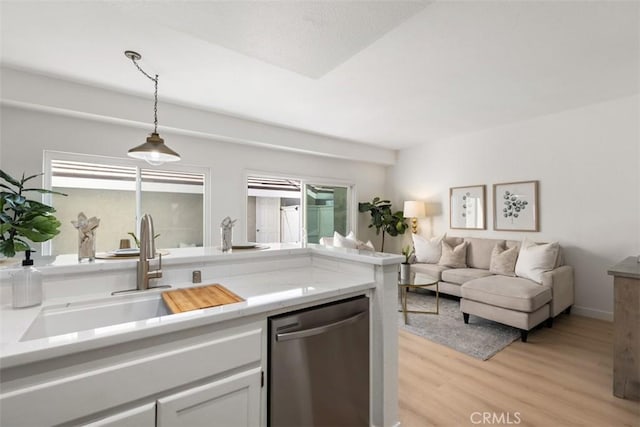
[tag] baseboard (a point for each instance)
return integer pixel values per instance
(593, 313)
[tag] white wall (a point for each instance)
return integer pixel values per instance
(587, 161)
(27, 130)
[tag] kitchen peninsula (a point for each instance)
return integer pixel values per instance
(123, 360)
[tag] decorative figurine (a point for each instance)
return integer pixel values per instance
(86, 236)
(226, 233)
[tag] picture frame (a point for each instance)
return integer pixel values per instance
(467, 207)
(515, 206)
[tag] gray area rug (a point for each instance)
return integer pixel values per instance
(481, 338)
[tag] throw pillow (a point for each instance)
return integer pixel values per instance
(340, 241)
(454, 257)
(351, 242)
(534, 259)
(427, 250)
(366, 246)
(503, 260)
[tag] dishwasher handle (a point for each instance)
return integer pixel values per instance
(320, 329)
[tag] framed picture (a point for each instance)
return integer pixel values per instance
(467, 208)
(515, 206)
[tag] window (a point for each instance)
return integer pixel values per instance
(286, 210)
(119, 191)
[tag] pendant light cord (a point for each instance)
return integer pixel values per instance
(155, 94)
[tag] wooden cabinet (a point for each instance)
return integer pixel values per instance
(233, 401)
(626, 329)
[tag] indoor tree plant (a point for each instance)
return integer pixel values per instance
(23, 220)
(383, 218)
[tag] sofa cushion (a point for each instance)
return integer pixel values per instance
(453, 241)
(513, 293)
(534, 259)
(479, 251)
(427, 250)
(454, 257)
(503, 260)
(433, 270)
(462, 275)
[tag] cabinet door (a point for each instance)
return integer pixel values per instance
(142, 416)
(231, 401)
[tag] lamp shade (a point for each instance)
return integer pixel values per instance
(414, 209)
(154, 151)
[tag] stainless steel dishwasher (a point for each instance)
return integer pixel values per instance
(319, 366)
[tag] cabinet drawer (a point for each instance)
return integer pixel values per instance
(142, 416)
(108, 385)
(232, 401)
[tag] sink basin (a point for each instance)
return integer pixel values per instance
(103, 313)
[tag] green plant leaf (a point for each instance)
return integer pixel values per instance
(383, 218)
(39, 229)
(22, 217)
(20, 245)
(7, 248)
(364, 207)
(9, 179)
(30, 177)
(8, 188)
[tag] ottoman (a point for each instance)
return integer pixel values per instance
(514, 301)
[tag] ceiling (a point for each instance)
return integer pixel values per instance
(388, 73)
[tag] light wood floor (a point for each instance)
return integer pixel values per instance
(562, 376)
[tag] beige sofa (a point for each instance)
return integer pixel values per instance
(513, 301)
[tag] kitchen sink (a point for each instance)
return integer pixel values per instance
(101, 315)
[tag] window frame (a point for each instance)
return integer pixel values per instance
(50, 155)
(352, 214)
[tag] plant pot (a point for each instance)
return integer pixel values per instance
(405, 272)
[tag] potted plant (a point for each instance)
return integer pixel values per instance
(21, 219)
(383, 218)
(405, 267)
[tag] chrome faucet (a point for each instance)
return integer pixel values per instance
(147, 253)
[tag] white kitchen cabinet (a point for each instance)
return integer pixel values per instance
(109, 379)
(233, 401)
(141, 416)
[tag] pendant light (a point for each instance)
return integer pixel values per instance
(154, 151)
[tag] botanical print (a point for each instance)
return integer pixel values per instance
(515, 206)
(467, 207)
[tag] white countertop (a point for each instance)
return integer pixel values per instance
(64, 264)
(264, 292)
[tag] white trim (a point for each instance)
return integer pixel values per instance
(273, 193)
(139, 200)
(49, 155)
(592, 312)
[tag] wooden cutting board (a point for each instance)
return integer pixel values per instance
(188, 299)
